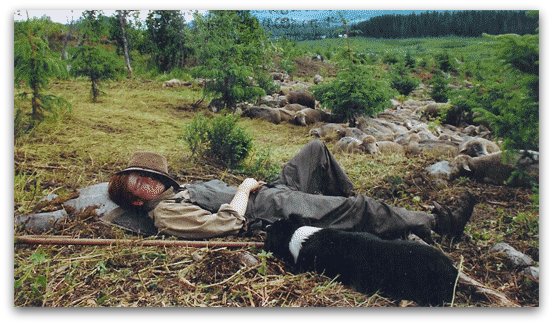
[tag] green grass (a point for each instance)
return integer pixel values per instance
(469, 47)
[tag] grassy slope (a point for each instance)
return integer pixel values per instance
(94, 140)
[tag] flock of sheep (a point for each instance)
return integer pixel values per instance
(401, 129)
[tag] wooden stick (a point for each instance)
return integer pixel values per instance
(492, 295)
(57, 240)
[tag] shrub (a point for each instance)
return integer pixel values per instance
(195, 134)
(444, 62)
(439, 88)
(219, 139)
(459, 112)
(409, 60)
(401, 81)
(390, 58)
(355, 91)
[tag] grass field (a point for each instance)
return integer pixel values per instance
(86, 145)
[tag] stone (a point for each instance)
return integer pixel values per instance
(40, 222)
(533, 272)
(96, 195)
(516, 259)
(441, 170)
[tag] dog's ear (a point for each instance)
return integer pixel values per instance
(296, 219)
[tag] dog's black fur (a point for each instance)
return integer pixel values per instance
(399, 269)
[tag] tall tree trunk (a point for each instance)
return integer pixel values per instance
(95, 90)
(122, 23)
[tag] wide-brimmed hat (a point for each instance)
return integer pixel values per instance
(150, 162)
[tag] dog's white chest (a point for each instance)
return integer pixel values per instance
(299, 236)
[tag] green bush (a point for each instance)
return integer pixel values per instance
(444, 62)
(390, 58)
(459, 112)
(219, 139)
(355, 91)
(508, 98)
(195, 134)
(439, 91)
(401, 81)
(409, 60)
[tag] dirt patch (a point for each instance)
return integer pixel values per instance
(306, 67)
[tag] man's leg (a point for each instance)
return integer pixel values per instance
(314, 170)
(353, 213)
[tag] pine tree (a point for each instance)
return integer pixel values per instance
(231, 51)
(167, 39)
(91, 59)
(34, 65)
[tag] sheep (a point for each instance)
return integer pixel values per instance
(478, 147)
(351, 132)
(438, 147)
(265, 113)
(412, 147)
(450, 137)
(279, 76)
(175, 83)
(328, 130)
(294, 107)
(354, 145)
(304, 98)
(497, 168)
(388, 147)
(309, 116)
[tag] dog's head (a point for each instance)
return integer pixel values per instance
(279, 235)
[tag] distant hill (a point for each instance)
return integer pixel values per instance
(331, 16)
(315, 24)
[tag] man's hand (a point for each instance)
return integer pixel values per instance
(251, 185)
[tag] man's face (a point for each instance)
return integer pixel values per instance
(145, 186)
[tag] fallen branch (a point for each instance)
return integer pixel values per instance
(492, 295)
(56, 240)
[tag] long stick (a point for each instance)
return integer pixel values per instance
(57, 240)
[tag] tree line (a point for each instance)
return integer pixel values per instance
(470, 23)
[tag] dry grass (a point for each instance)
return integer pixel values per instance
(85, 146)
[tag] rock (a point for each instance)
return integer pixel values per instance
(317, 79)
(248, 259)
(533, 272)
(40, 222)
(93, 195)
(516, 259)
(441, 170)
(49, 197)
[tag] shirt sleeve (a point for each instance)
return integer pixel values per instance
(185, 220)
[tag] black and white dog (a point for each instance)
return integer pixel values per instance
(399, 269)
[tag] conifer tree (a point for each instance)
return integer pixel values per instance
(91, 59)
(231, 51)
(34, 65)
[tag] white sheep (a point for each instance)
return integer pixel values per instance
(496, 168)
(478, 147)
(354, 145)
